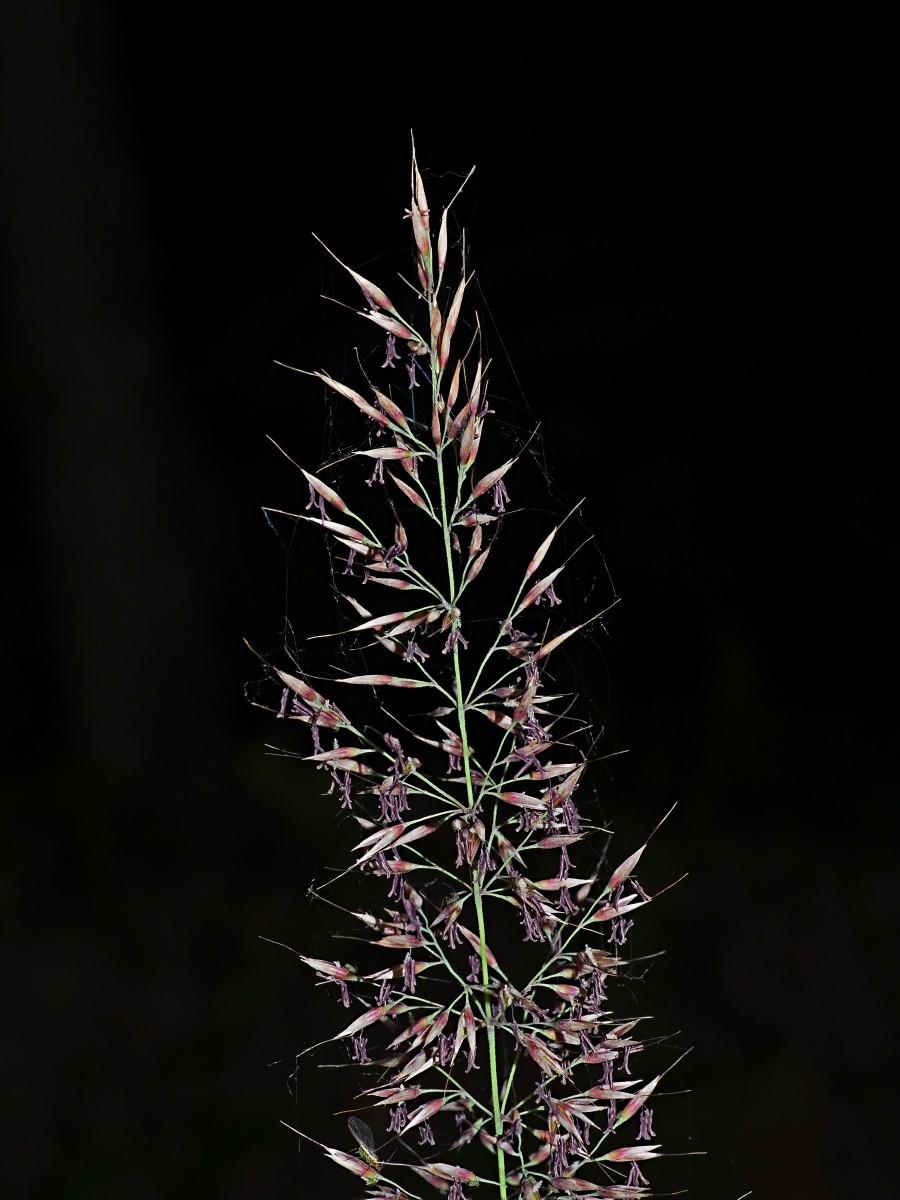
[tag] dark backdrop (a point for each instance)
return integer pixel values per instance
(694, 283)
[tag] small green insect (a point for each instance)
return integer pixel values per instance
(365, 1140)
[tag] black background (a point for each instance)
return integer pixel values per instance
(695, 284)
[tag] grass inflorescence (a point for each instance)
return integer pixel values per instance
(489, 1042)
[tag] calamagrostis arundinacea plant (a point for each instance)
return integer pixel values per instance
(497, 1064)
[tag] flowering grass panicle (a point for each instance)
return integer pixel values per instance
(486, 1036)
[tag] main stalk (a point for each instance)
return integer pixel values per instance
(476, 886)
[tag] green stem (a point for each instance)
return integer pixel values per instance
(476, 889)
(492, 1037)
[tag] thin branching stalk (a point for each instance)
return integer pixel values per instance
(540, 1120)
